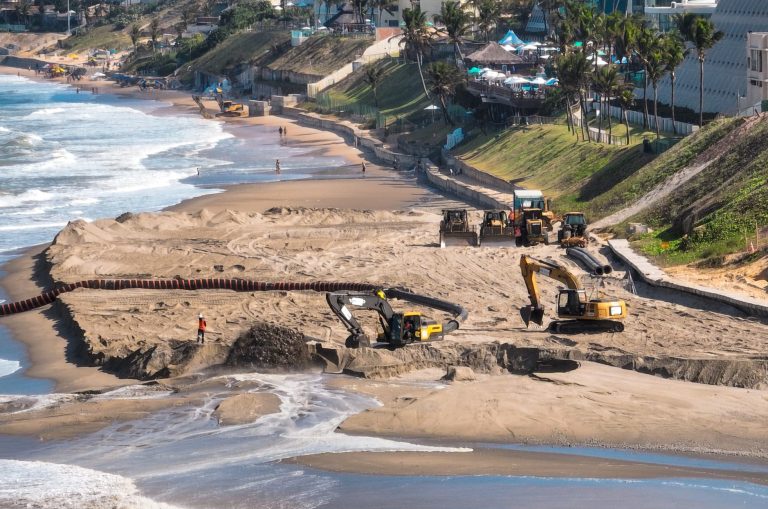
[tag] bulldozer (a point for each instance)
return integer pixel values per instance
(496, 229)
(455, 229)
(573, 230)
(575, 311)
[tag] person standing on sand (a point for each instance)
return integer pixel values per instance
(280, 130)
(363, 166)
(201, 328)
(277, 165)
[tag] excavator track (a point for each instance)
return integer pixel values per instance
(579, 326)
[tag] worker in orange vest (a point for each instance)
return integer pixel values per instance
(201, 328)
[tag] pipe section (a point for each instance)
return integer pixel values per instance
(237, 285)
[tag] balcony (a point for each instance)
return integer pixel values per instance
(670, 7)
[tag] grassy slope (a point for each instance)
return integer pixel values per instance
(400, 94)
(258, 48)
(321, 55)
(549, 158)
(103, 37)
(725, 201)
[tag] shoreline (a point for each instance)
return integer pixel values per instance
(385, 189)
(39, 331)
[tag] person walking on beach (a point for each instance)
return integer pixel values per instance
(280, 130)
(277, 166)
(285, 131)
(363, 166)
(201, 328)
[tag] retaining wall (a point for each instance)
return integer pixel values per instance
(478, 176)
(657, 277)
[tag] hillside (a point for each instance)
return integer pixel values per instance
(400, 93)
(577, 175)
(255, 48)
(321, 55)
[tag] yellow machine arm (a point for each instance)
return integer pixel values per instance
(529, 267)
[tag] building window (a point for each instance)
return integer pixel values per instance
(756, 60)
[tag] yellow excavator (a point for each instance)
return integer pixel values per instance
(575, 311)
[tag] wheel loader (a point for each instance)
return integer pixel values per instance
(455, 229)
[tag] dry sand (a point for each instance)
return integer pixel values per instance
(593, 404)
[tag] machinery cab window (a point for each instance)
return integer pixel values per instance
(571, 302)
(411, 327)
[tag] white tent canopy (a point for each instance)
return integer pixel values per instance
(515, 80)
(538, 81)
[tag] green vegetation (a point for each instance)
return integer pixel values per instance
(104, 37)
(717, 211)
(255, 48)
(548, 157)
(321, 55)
(399, 92)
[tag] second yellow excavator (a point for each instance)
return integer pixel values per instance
(575, 311)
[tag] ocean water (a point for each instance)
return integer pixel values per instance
(181, 458)
(66, 155)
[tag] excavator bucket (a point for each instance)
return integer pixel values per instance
(458, 239)
(531, 314)
(334, 359)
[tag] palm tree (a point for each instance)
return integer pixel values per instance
(443, 78)
(626, 101)
(647, 42)
(655, 70)
(701, 33)
(135, 34)
(674, 54)
(456, 21)
(154, 31)
(573, 73)
(605, 82)
(416, 37)
(373, 76)
(488, 12)
(23, 8)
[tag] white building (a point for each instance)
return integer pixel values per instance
(725, 68)
(663, 12)
(757, 68)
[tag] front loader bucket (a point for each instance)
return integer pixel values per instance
(458, 239)
(530, 314)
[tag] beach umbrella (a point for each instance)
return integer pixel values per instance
(515, 80)
(552, 82)
(538, 80)
(530, 47)
(485, 70)
(474, 71)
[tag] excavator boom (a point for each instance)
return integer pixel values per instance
(579, 312)
(530, 266)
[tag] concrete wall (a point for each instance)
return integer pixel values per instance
(656, 277)
(478, 176)
(463, 191)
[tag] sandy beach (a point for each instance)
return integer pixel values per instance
(382, 228)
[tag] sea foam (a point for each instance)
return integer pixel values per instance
(51, 485)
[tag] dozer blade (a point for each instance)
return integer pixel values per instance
(458, 239)
(530, 314)
(498, 241)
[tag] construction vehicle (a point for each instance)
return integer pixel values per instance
(230, 108)
(573, 230)
(575, 311)
(397, 328)
(496, 229)
(455, 229)
(532, 217)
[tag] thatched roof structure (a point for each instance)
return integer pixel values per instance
(493, 54)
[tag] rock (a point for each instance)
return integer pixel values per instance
(246, 408)
(270, 346)
(459, 374)
(125, 216)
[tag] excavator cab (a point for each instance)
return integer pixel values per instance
(571, 303)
